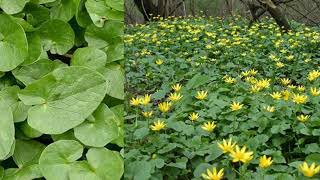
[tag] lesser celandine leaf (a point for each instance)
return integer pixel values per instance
(115, 76)
(57, 36)
(100, 12)
(35, 48)
(30, 73)
(118, 5)
(12, 6)
(111, 33)
(6, 129)
(36, 14)
(100, 130)
(82, 15)
(13, 44)
(90, 57)
(57, 158)
(27, 152)
(29, 131)
(28, 172)
(64, 10)
(63, 99)
(107, 164)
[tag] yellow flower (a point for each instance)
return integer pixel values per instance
(270, 108)
(279, 64)
(286, 95)
(285, 81)
(241, 154)
(176, 87)
(301, 88)
(147, 114)
(235, 106)
(253, 72)
(230, 80)
(314, 91)
(209, 126)
(145, 100)
(309, 171)
(289, 58)
(303, 118)
(264, 83)
(299, 99)
(265, 162)
(245, 73)
(201, 95)
(213, 175)
(291, 86)
(227, 146)
(313, 75)
(175, 96)
(159, 61)
(157, 126)
(135, 101)
(276, 95)
(164, 106)
(254, 89)
(194, 116)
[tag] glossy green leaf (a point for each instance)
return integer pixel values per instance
(7, 129)
(108, 165)
(13, 44)
(100, 12)
(30, 73)
(64, 10)
(98, 130)
(57, 158)
(27, 152)
(89, 57)
(115, 76)
(12, 6)
(57, 40)
(78, 91)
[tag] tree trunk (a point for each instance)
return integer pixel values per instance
(277, 15)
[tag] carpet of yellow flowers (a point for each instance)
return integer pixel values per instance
(215, 99)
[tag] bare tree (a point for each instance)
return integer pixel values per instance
(163, 8)
(259, 7)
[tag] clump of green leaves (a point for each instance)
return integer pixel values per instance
(61, 89)
(234, 64)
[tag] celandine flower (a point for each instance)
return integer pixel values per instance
(213, 175)
(208, 126)
(159, 61)
(227, 146)
(265, 161)
(175, 97)
(303, 118)
(313, 75)
(135, 101)
(176, 87)
(299, 99)
(235, 106)
(201, 95)
(145, 99)
(164, 106)
(286, 95)
(285, 81)
(276, 95)
(269, 108)
(147, 114)
(314, 91)
(241, 155)
(157, 126)
(194, 116)
(309, 171)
